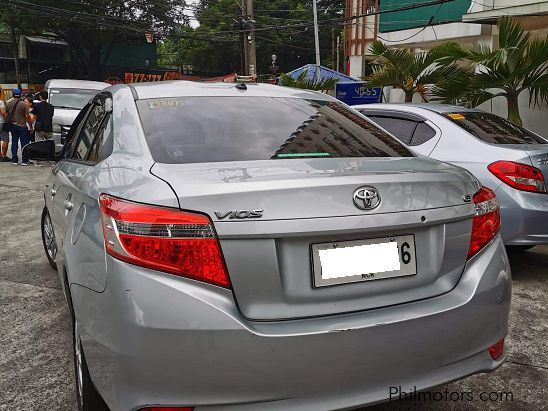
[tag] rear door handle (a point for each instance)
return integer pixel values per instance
(68, 205)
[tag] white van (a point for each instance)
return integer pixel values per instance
(68, 97)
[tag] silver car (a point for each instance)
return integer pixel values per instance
(68, 97)
(510, 159)
(232, 246)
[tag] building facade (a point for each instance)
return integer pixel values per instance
(359, 33)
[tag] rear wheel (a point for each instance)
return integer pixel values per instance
(518, 248)
(87, 396)
(48, 238)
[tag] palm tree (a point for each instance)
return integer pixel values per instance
(520, 63)
(303, 82)
(404, 69)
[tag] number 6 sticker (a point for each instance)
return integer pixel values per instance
(405, 255)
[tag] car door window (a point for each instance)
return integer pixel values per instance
(423, 133)
(102, 145)
(401, 129)
(72, 137)
(88, 132)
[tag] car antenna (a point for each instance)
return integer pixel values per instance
(241, 86)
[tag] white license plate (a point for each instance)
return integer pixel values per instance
(363, 260)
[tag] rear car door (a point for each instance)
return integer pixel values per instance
(60, 189)
(91, 144)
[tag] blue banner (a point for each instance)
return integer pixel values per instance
(357, 93)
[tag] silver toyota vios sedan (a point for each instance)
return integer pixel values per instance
(252, 247)
(510, 159)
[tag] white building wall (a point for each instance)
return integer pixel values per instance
(356, 66)
(432, 35)
(509, 3)
(426, 37)
(533, 118)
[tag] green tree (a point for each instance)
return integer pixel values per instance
(91, 27)
(520, 63)
(284, 28)
(16, 25)
(406, 70)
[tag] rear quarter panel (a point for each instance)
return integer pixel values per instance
(125, 174)
(460, 148)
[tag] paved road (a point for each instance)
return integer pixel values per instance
(36, 370)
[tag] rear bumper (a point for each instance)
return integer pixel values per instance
(154, 339)
(524, 216)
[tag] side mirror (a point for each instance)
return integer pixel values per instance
(40, 150)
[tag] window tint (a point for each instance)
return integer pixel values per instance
(209, 129)
(422, 134)
(72, 136)
(102, 145)
(494, 129)
(400, 128)
(88, 132)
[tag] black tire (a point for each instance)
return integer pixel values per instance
(87, 397)
(518, 248)
(46, 238)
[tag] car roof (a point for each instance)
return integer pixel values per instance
(82, 84)
(182, 88)
(435, 107)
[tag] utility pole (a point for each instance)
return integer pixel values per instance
(15, 50)
(338, 52)
(251, 49)
(316, 39)
(333, 49)
(243, 38)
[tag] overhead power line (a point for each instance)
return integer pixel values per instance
(98, 21)
(110, 20)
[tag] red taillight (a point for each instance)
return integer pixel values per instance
(486, 222)
(519, 176)
(497, 349)
(164, 239)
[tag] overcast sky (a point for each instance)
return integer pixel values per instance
(189, 13)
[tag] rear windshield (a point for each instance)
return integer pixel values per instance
(494, 129)
(210, 129)
(70, 98)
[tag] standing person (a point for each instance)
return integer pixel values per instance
(43, 115)
(29, 101)
(18, 118)
(43, 112)
(4, 134)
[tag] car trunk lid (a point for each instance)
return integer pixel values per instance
(539, 158)
(534, 154)
(309, 202)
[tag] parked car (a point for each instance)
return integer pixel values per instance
(254, 246)
(510, 159)
(68, 97)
